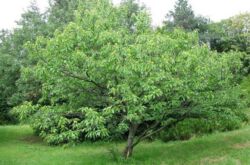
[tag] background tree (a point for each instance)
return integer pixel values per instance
(12, 50)
(129, 10)
(32, 24)
(60, 13)
(9, 73)
(232, 34)
(55, 18)
(183, 17)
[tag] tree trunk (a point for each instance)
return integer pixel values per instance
(129, 148)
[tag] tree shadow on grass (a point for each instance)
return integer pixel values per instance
(32, 139)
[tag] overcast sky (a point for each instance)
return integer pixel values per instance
(10, 10)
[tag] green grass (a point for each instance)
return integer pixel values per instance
(19, 147)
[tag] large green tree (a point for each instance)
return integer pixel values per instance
(103, 80)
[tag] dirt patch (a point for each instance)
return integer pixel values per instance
(32, 139)
(211, 160)
(242, 145)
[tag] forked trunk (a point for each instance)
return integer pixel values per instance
(129, 148)
(128, 151)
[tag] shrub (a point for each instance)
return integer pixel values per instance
(24, 111)
(224, 121)
(56, 129)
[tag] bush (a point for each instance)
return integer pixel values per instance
(56, 129)
(225, 120)
(24, 111)
(4, 118)
(59, 125)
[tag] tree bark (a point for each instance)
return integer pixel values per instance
(129, 148)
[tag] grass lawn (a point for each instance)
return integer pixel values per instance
(19, 147)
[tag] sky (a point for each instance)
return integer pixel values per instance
(11, 10)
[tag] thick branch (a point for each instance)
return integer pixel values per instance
(147, 132)
(80, 77)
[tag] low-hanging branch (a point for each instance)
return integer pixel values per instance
(80, 77)
(149, 132)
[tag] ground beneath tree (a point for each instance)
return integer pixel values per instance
(18, 146)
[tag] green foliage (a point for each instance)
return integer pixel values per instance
(14, 54)
(94, 124)
(183, 17)
(32, 25)
(57, 125)
(129, 9)
(16, 87)
(28, 88)
(245, 87)
(9, 73)
(24, 111)
(60, 13)
(226, 120)
(232, 34)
